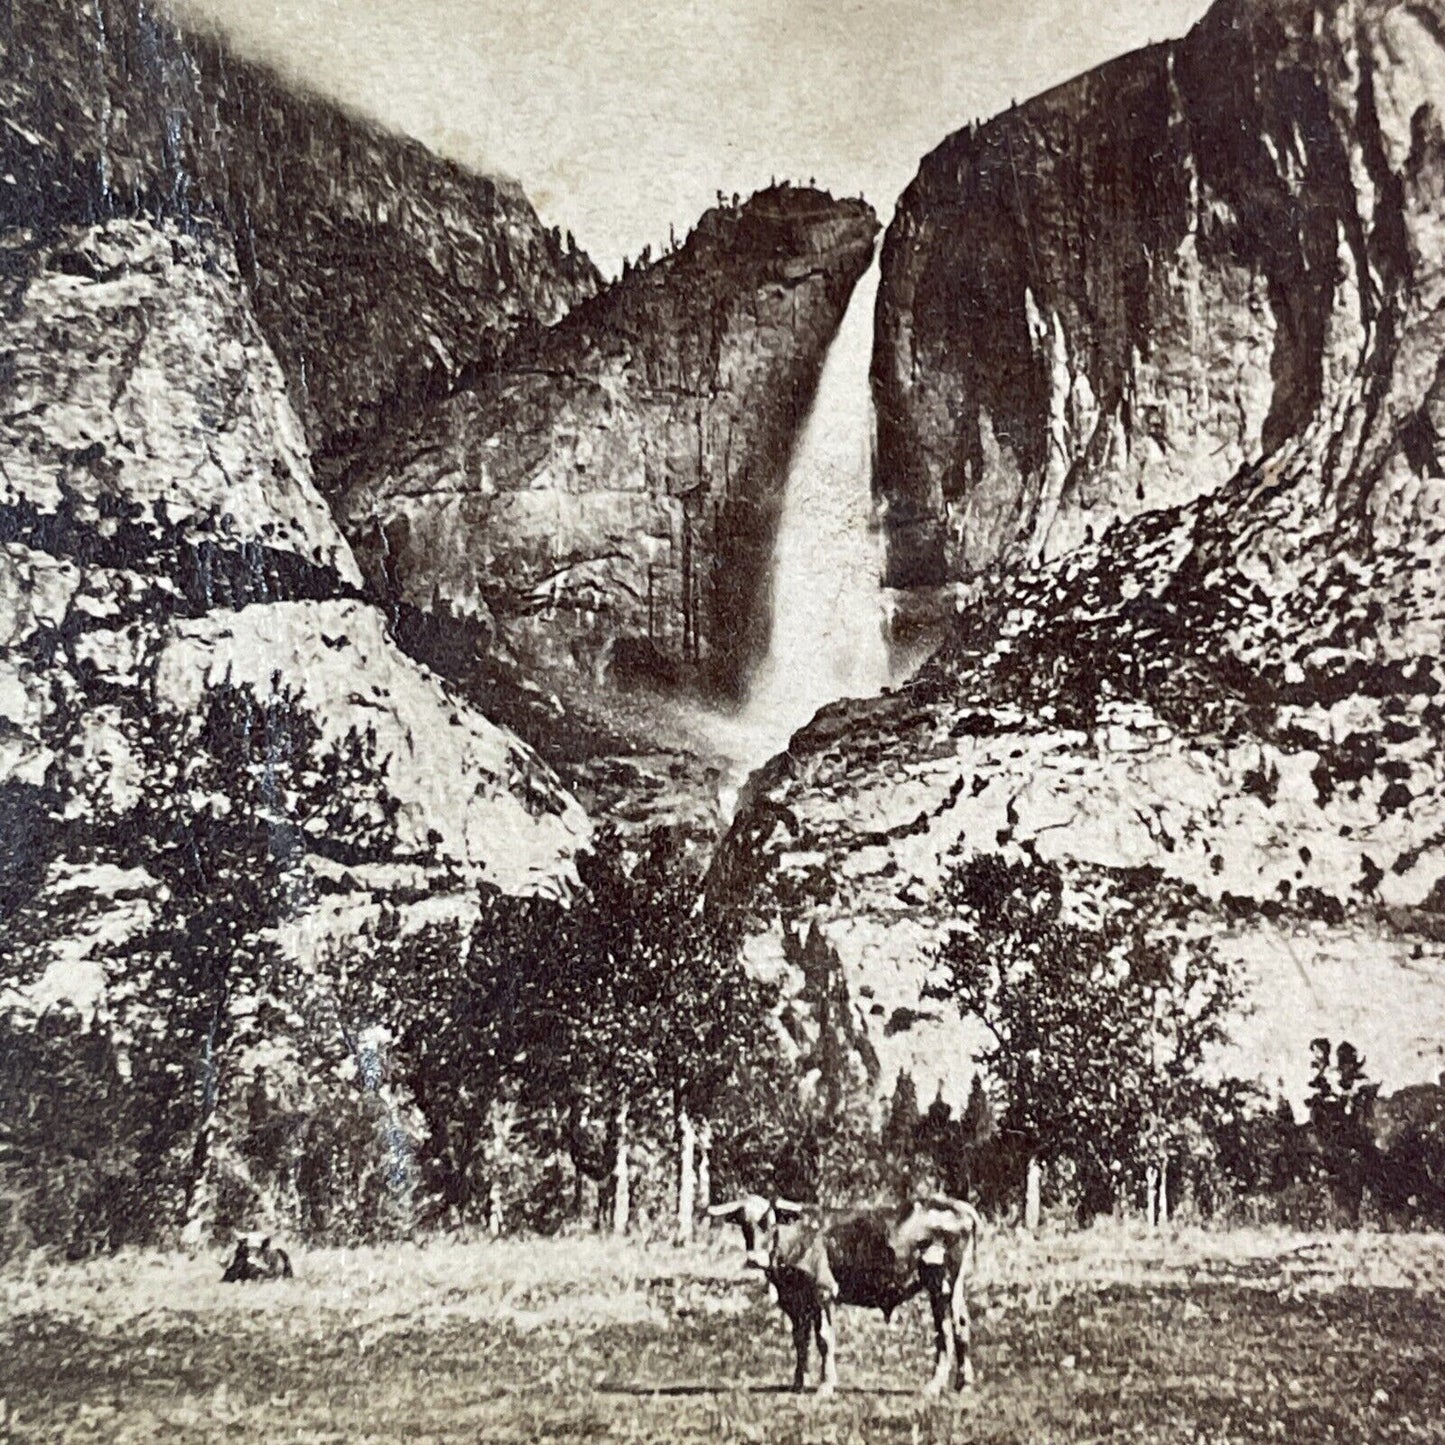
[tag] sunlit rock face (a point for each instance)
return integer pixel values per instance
(377, 272)
(1110, 298)
(607, 500)
(184, 648)
(1233, 700)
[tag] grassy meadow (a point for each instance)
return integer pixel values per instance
(1107, 1334)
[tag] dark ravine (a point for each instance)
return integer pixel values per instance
(378, 272)
(1112, 297)
(606, 500)
(1224, 709)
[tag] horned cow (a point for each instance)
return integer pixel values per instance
(815, 1259)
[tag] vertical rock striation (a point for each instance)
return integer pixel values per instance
(1111, 298)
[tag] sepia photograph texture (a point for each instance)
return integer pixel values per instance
(722, 721)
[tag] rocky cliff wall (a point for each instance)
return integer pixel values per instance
(1223, 714)
(609, 497)
(378, 272)
(1110, 298)
(185, 656)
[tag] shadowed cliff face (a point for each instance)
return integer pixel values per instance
(1109, 299)
(609, 497)
(377, 271)
(1223, 714)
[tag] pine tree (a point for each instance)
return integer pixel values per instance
(207, 973)
(978, 1121)
(1285, 1162)
(941, 1142)
(1349, 1070)
(1321, 1102)
(900, 1127)
(1340, 1114)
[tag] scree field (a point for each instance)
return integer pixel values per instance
(1102, 1335)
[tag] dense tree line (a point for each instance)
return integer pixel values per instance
(1104, 1018)
(609, 1061)
(129, 1127)
(509, 1063)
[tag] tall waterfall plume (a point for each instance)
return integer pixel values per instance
(828, 624)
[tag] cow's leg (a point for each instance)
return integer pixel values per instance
(802, 1328)
(827, 1349)
(935, 1280)
(962, 1333)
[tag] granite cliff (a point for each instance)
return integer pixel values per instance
(606, 499)
(1109, 299)
(1222, 712)
(379, 273)
(218, 772)
(221, 778)
(169, 569)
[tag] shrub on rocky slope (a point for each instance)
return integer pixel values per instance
(216, 766)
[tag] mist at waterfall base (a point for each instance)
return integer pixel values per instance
(828, 637)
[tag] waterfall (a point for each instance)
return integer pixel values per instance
(828, 639)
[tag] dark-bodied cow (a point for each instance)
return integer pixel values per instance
(257, 1262)
(815, 1259)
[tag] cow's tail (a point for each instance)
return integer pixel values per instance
(973, 1227)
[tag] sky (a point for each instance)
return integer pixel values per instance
(625, 117)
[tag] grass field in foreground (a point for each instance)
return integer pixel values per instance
(1100, 1335)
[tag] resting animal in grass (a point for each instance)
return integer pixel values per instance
(264, 1262)
(816, 1259)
